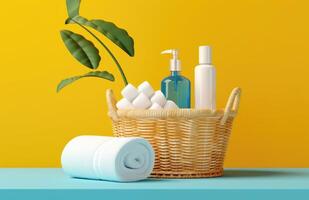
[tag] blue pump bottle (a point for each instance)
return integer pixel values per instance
(176, 87)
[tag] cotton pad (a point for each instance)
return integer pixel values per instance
(141, 102)
(155, 106)
(158, 98)
(145, 88)
(129, 92)
(170, 105)
(124, 104)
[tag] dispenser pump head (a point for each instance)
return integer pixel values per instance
(175, 64)
(204, 55)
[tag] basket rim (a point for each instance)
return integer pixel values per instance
(177, 113)
(230, 110)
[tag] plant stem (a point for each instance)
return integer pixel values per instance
(108, 51)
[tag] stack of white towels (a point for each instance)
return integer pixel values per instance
(144, 97)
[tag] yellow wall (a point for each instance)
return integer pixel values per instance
(259, 45)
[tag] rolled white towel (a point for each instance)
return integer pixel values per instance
(129, 92)
(145, 88)
(170, 105)
(158, 98)
(108, 158)
(124, 104)
(155, 106)
(141, 101)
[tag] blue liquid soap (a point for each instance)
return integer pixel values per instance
(176, 87)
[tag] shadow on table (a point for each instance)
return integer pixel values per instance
(228, 173)
(259, 173)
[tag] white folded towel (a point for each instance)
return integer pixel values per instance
(108, 158)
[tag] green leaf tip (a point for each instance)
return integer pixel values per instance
(98, 74)
(81, 49)
(73, 7)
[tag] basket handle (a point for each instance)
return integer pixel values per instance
(232, 104)
(111, 103)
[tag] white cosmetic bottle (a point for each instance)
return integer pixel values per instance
(205, 81)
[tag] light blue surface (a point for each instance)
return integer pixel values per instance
(236, 184)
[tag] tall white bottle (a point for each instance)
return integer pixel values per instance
(205, 81)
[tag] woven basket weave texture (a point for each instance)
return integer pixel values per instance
(188, 143)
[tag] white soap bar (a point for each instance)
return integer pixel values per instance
(170, 105)
(145, 88)
(155, 106)
(129, 92)
(124, 104)
(158, 98)
(141, 101)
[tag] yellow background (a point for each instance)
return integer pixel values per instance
(259, 45)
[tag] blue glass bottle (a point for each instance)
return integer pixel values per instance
(176, 87)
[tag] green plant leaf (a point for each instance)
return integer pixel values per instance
(73, 7)
(81, 48)
(117, 35)
(98, 74)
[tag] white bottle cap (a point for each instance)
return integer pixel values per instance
(204, 55)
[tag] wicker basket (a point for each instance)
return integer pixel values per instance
(188, 143)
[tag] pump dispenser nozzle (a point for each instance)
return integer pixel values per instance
(175, 64)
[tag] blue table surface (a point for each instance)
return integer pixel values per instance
(238, 180)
